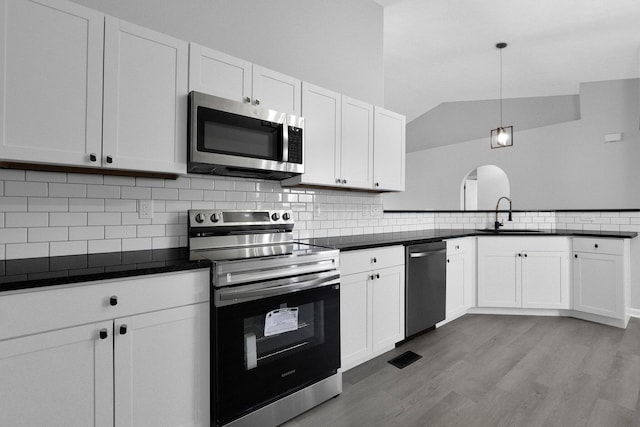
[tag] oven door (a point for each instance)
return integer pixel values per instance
(266, 348)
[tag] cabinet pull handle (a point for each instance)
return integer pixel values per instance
(247, 100)
(575, 256)
(374, 260)
(448, 260)
(113, 300)
(257, 101)
(457, 246)
(123, 329)
(338, 181)
(525, 255)
(519, 254)
(377, 276)
(344, 181)
(104, 334)
(372, 277)
(377, 184)
(93, 157)
(109, 159)
(596, 246)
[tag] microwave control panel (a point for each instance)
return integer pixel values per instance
(295, 145)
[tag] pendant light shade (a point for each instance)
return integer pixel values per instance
(502, 136)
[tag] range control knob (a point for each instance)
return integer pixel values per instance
(286, 216)
(275, 216)
(215, 217)
(199, 218)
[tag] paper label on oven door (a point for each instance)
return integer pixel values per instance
(281, 320)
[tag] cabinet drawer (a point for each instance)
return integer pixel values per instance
(371, 259)
(597, 245)
(460, 246)
(44, 310)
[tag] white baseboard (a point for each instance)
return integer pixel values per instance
(634, 312)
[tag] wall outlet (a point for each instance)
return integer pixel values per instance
(316, 210)
(376, 210)
(146, 209)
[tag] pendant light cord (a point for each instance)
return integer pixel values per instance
(501, 88)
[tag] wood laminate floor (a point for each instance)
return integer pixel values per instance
(485, 370)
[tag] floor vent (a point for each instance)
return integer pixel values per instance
(405, 359)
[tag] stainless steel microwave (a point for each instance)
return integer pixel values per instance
(236, 139)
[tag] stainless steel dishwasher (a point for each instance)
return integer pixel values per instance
(425, 281)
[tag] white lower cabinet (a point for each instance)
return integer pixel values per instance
(371, 303)
(601, 278)
(461, 278)
(144, 361)
(527, 272)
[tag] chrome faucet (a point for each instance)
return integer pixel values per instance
(497, 224)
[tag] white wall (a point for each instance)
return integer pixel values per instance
(492, 184)
(562, 166)
(332, 43)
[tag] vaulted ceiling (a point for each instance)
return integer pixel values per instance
(439, 51)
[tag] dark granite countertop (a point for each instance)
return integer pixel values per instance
(367, 241)
(48, 271)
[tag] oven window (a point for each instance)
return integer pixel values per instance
(227, 133)
(282, 332)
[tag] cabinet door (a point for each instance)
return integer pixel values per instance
(219, 74)
(162, 368)
(545, 280)
(59, 378)
(276, 91)
(145, 99)
(322, 111)
(456, 279)
(499, 280)
(388, 150)
(355, 319)
(50, 82)
(387, 308)
(356, 154)
(598, 284)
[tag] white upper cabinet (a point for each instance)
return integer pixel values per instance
(388, 150)
(51, 82)
(145, 99)
(356, 149)
(222, 75)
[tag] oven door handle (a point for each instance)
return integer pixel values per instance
(234, 294)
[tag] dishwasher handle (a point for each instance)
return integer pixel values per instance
(428, 253)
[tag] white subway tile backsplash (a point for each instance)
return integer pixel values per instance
(48, 234)
(67, 190)
(86, 233)
(164, 193)
(180, 182)
(133, 218)
(13, 235)
(120, 231)
(187, 194)
(86, 205)
(103, 191)
(12, 175)
(26, 188)
(216, 195)
(2, 251)
(79, 178)
(13, 204)
(67, 248)
(150, 230)
(141, 193)
(107, 245)
(119, 180)
(201, 184)
(118, 205)
(104, 218)
(149, 182)
(50, 204)
(26, 219)
(165, 242)
(138, 244)
(177, 206)
(59, 219)
(42, 176)
(26, 250)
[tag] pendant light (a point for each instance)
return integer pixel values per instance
(503, 135)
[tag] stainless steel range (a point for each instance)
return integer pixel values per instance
(275, 324)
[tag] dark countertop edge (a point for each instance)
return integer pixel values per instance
(514, 210)
(444, 234)
(93, 277)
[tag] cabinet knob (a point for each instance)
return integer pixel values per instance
(519, 254)
(377, 184)
(338, 181)
(525, 255)
(104, 334)
(123, 329)
(457, 246)
(257, 102)
(448, 260)
(113, 300)
(575, 256)
(247, 100)
(595, 246)
(109, 159)
(93, 157)
(344, 181)
(372, 277)
(377, 276)
(374, 260)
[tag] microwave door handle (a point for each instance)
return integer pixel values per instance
(285, 142)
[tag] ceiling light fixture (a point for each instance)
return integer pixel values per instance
(501, 136)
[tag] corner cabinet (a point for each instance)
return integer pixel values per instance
(55, 107)
(123, 353)
(219, 74)
(601, 278)
(371, 303)
(527, 272)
